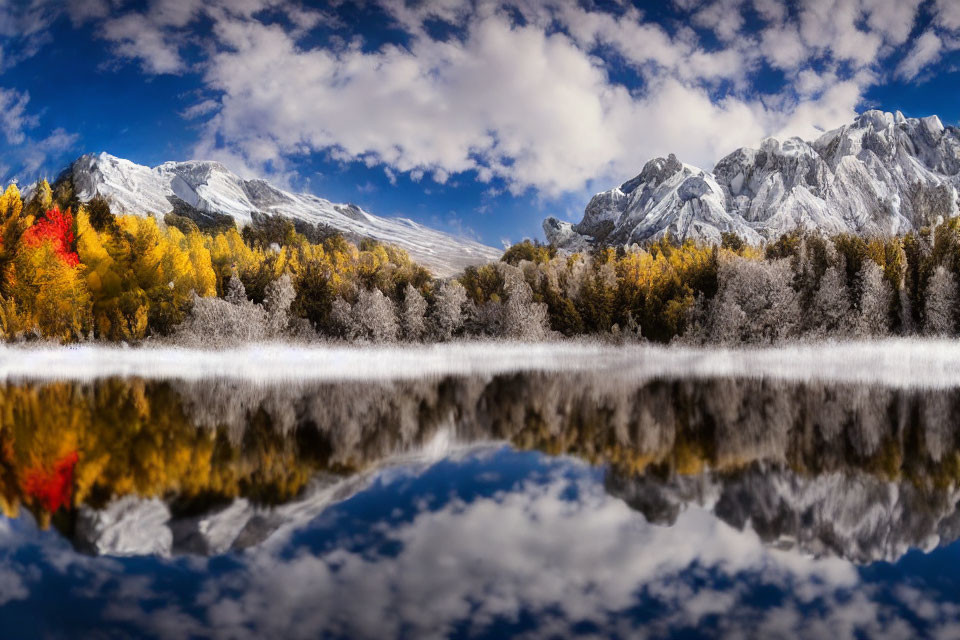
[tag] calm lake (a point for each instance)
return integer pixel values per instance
(479, 502)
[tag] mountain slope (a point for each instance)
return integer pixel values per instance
(883, 174)
(210, 188)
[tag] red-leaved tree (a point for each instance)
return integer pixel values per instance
(55, 227)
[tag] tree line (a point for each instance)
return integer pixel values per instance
(72, 272)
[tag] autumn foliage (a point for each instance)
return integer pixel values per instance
(56, 227)
(51, 487)
(71, 271)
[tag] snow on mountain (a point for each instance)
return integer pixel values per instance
(883, 174)
(210, 188)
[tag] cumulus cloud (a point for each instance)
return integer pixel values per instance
(530, 104)
(137, 37)
(526, 94)
(948, 14)
(518, 102)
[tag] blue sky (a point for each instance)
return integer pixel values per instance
(476, 117)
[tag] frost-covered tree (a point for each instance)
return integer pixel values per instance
(873, 314)
(375, 317)
(279, 298)
(523, 318)
(341, 319)
(830, 313)
(446, 315)
(216, 322)
(413, 315)
(755, 303)
(484, 319)
(941, 303)
(236, 293)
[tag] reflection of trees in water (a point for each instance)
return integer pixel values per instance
(197, 444)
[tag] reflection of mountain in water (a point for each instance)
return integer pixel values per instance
(128, 466)
(855, 515)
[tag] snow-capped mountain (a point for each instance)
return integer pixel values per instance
(210, 188)
(883, 174)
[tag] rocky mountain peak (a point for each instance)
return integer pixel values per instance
(884, 173)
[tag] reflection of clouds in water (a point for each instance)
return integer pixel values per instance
(12, 586)
(556, 546)
(534, 550)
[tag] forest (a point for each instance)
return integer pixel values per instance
(72, 272)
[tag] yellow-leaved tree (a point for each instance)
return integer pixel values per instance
(48, 280)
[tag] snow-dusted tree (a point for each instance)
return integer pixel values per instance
(873, 315)
(279, 298)
(446, 315)
(941, 303)
(236, 293)
(523, 319)
(754, 304)
(576, 270)
(484, 319)
(413, 314)
(375, 316)
(216, 322)
(341, 319)
(830, 314)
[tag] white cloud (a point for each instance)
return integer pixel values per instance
(24, 29)
(535, 103)
(509, 101)
(200, 109)
(137, 37)
(771, 10)
(894, 19)
(14, 119)
(948, 14)
(783, 47)
(723, 17)
(926, 50)
(11, 587)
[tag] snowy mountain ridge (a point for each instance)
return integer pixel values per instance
(210, 188)
(882, 174)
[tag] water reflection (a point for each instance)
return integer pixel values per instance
(545, 504)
